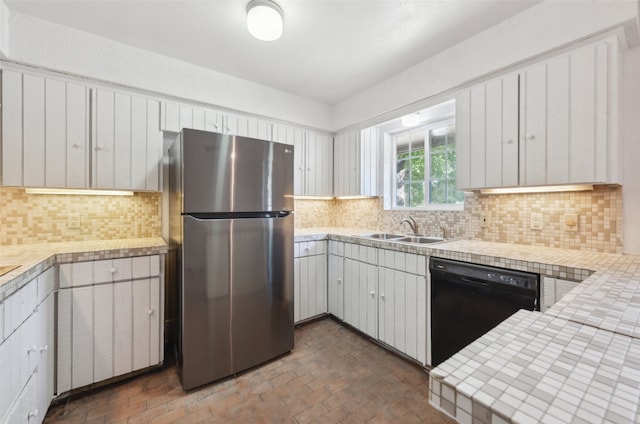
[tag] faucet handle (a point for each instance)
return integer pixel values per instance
(444, 232)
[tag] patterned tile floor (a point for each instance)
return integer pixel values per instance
(333, 376)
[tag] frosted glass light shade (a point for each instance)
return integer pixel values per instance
(264, 20)
(410, 120)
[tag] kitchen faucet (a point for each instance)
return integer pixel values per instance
(412, 223)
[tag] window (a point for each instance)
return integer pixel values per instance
(425, 167)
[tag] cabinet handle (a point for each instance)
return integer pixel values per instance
(530, 136)
(32, 414)
(113, 270)
(150, 312)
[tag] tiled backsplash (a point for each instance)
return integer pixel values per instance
(43, 218)
(599, 218)
(28, 218)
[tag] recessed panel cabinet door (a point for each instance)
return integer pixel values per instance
(336, 286)
(34, 131)
(103, 136)
(77, 133)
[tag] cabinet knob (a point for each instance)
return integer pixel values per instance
(100, 147)
(339, 281)
(32, 414)
(372, 293)
(509, 141)
(31, 349)
(150, 312)
(530, 136)
(113, 270)
(77, 145)
(382, 295)
(44, 348)
(215, 126)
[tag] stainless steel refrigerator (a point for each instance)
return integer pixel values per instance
(231, 231)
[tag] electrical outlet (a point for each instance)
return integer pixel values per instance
(485, 219)
(536, 221)
(571, 222)
(73, 220)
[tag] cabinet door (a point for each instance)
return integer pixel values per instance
(46, 352)
(318, 295)
(77, 136)
(336, 286)
(34, 131)
(386, 317)
(212, 120)
(12, 144)
(346, 164)
(122, 328)
(351, 292)
(319, 165)
(501, 126)
(146, 323)
(371, 276)
(298, 139)
(82, 345)
(103, 332)
(399, 298)
(104, 139)
(370, 169)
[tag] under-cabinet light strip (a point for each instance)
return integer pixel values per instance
(78, 192)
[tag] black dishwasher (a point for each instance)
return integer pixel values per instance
(468, 300)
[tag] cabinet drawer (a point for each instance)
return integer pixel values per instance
(109, 270)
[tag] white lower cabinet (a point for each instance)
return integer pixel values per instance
(403, 303)
(310, 280)
(335, 280)
(361, 288)
(108, 328)
(26, 351)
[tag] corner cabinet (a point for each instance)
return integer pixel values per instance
(110, 319)
(64, 134)
(551, 123)
(356, 159)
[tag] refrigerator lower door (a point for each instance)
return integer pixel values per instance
(205, 328)
(237, 295)
(261, 290)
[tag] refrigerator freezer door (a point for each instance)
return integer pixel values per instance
(225, 173)
(262, 290)
(205, 302)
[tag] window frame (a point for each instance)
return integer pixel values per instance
(391, 175)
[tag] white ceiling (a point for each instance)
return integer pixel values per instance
(330, 50)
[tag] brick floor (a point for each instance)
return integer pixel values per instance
(333, 375)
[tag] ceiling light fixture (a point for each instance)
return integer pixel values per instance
(264, 20)
(411, 120)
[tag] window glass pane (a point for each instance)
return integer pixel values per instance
(416, 194)
(403, 170)
(438, 191)
(439, 165)
(417, 166)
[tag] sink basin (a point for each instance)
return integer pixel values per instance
(420, 239)
(384, 236)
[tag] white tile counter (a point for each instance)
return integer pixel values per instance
(35, 258)
(578, 362)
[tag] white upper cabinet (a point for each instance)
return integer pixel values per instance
(551, 123)
(356, 163)
(487, 134)
(314, 161)
(174, 117)
(47, 142)
(45, 132)
(127, 141)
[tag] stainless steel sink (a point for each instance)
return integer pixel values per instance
(420, 239)
(384, 236)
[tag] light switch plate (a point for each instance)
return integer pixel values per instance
(485, 219)
(571, 222)
(536, 221)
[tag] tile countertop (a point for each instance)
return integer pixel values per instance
(36, 258)
(578, 362)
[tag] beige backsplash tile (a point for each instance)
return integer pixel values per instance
(43, 218)
(31, 218)
(599, 212)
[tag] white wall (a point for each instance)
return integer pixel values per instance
(46, 44)
(630, 105)
(4, 29)
(549, 25)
